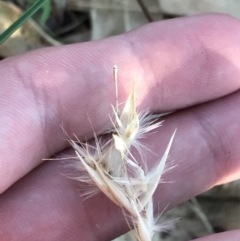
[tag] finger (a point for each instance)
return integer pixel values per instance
(205, 154)
(205, 151)
(226, 236)
(46, 205)
(175, 64)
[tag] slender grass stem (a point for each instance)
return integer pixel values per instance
(145, 10)
(18, 23)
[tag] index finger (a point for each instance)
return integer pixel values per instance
(175, 64)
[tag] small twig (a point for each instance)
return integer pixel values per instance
(76, 23)
(145, 11)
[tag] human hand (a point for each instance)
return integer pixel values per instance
(176, 64)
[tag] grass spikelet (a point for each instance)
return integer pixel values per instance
(113, 169)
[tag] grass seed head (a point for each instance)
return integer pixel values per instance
(114, 170)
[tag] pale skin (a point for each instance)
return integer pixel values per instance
(176, 64)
